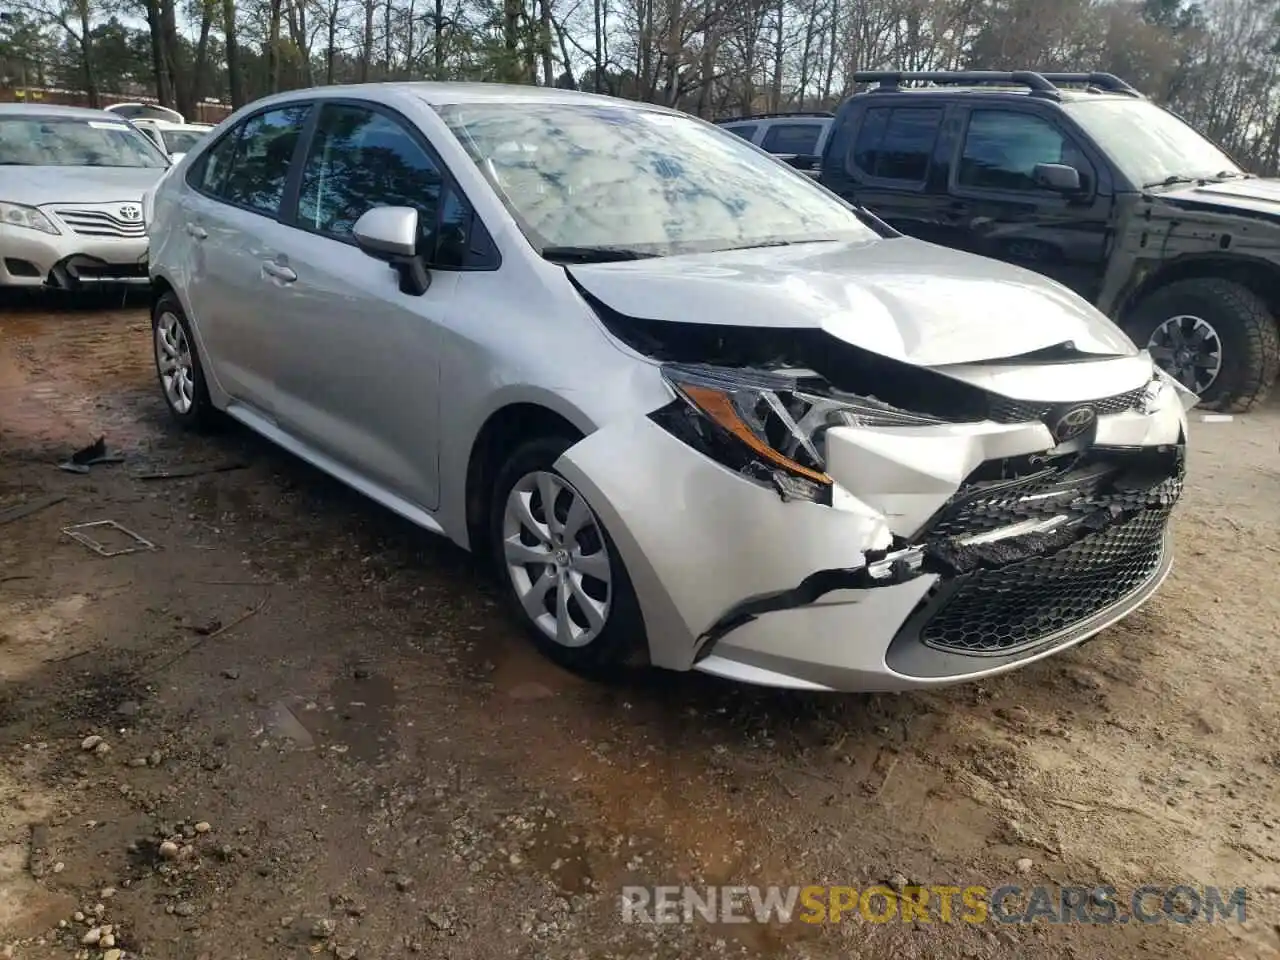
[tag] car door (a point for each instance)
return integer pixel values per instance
(230, 217)
(998, 209)
(890, 167)
(358, 373)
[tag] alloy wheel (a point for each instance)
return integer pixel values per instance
(1188, 348)
(173, 359)
(557, 559)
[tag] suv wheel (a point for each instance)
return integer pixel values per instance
(561, 571)
(1215, 336)
(178, 366)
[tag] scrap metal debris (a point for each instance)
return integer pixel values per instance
(86, 457)
(26, 509)
(192, 470)
(140, 543)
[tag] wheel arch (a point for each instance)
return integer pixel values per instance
(503, 430)
(1261, 277)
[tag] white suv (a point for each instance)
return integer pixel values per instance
(798, 137)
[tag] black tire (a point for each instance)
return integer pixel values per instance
(1245, 327)
(621, 644)
(202, 416)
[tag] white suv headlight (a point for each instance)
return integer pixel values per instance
(20, 215)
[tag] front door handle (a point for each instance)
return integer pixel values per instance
(281, 273)
(197, 231)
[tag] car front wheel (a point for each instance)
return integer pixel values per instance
(561, 571)
(1216, 337)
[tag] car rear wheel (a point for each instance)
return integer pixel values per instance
(178, 366)
(1217, 337)
(560, 569)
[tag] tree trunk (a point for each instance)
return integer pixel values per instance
(775, 94)
(235, 82)
(597, 51)
(544, 43)
(273, 46)
(86, 56)
(331, 36)
(179, 72)
(366, 52)
(437, 42)
(164, 89)
(202, 57)
(511, 10)
(386, 41)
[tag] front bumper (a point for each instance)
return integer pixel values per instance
(725, 570)
(29, 258)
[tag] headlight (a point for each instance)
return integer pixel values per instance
(20, 215)
(772, 425)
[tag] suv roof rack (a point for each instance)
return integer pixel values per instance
(1039, 84)
(774, 116)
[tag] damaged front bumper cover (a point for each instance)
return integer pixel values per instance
(951, 558)
(926, 570)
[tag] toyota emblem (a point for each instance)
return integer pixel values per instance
(1073, 422)
(130, 212)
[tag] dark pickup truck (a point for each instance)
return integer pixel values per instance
(1081, 178)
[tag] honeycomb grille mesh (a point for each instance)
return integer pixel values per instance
(1004, 610)
(1007, 410)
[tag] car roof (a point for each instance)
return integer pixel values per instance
(171, 124)
(992, 91)
(443, 93)
(55, 110)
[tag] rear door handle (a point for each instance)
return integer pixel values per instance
(281, 273)
(197, 231)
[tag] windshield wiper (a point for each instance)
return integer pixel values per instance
(1169, 181)
(594, 254)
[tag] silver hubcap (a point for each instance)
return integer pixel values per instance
(173, 358)
(556, 558)
(1188, 348)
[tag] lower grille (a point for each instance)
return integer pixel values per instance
(100, 223)
(1002, 611)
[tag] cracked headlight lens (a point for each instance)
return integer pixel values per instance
(20, 215)
(776, 420)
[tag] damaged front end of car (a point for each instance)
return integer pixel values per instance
(990, 528)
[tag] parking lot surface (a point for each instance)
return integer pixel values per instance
(301, 726)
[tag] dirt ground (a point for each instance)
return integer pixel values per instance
(319, 734)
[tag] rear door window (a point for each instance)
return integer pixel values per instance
(896, 143)
(747, 131)
(800, 138)
(250, 166)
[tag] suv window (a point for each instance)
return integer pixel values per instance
(801, 138)
(259, 166)
(895, 143)
(747, 131)
(360, 159)
(1002, 148)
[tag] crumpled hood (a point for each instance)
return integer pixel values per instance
(1257, 194)
(37, 186)
(902, 298)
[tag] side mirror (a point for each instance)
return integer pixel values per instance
(390, 234)
(1057, 176)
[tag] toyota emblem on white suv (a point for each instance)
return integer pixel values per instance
(130, 212)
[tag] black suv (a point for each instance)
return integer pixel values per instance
(1080, 177)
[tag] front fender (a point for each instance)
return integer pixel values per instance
(697, 539)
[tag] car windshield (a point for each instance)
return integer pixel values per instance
(72, 142)
(1148, 144)
(604, 177)
(181, 141)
